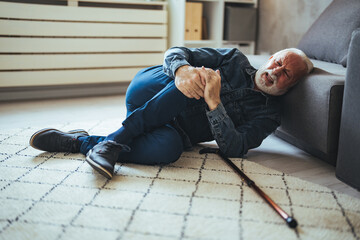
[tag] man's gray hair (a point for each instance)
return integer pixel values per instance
(305, 58)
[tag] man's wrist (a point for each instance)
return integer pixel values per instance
(213, 105)
(181, 68)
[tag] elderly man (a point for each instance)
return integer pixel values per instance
(197, 95)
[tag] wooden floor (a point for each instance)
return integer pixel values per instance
(279, 155)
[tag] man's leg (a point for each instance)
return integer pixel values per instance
(152, 100)
(154, 113)
(163, 145)
(146, 84)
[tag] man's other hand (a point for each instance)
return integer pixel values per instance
(188, 80)
(212, 87)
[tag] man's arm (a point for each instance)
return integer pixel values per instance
(209, 57)
(180, 64)
(233, 141)
(236, 141)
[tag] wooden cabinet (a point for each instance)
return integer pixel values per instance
(92, 42)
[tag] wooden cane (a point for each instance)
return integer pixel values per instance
(291, 222)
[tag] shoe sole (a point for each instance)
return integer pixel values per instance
(31, 141)
(97, 167)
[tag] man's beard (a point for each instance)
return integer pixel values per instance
(261, 83)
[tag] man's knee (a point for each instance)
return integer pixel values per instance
(146, 84)
(132, 97)
(139, 91)
(168, 149)
(171, 153)
(162, 146)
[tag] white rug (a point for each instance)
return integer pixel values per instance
(58, 196)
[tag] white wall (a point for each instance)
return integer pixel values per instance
(282, 23)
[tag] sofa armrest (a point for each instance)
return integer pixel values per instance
(348, 163)
(311, 114)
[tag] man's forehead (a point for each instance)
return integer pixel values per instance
(292, 59)
(286, 54)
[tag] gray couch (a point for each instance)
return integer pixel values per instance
(348, 162)
(312, 110)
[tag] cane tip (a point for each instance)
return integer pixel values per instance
(291, 222)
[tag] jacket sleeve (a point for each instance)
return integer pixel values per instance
(236, 141)
(208, 57)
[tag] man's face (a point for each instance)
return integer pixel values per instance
(280, 72)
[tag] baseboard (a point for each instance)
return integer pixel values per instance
(63, 91)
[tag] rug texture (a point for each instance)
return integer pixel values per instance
(59, 196)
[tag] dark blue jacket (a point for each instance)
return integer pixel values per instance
(245, 116)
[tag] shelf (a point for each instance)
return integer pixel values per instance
(246, 47)
(200, 43)
(240, 1)
(214, 13)
(227, 1)
(140, 2)
(237, 42)
(210, 1)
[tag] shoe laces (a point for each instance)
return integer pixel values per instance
(110, 145)
(70, 143)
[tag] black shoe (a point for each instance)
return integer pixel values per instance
(103, 156)
(53, 140)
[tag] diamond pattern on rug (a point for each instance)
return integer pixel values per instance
(59, 196)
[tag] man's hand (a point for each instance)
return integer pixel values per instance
(189, 81)
(212, 87)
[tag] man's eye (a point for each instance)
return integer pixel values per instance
(279, 63)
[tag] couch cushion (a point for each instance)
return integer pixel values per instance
(333, 68)
(329, 37)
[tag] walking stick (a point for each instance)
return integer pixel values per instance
(291, 222)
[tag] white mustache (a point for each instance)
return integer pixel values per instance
(272, 76)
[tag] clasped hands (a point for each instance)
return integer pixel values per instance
(196, 82)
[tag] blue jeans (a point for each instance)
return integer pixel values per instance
(152, 102)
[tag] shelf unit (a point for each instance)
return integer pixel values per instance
(214, 12)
